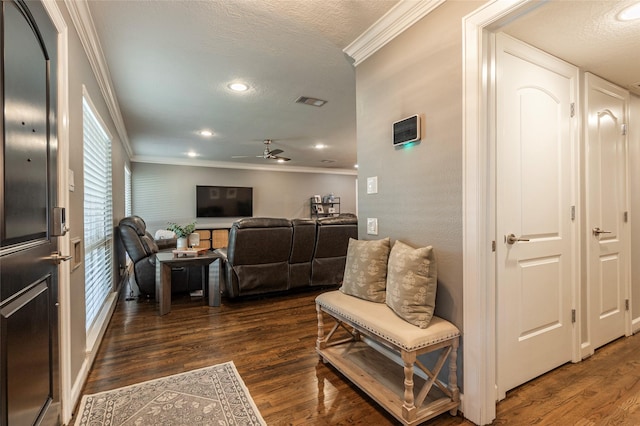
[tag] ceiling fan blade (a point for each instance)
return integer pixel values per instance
(276, 152)
(281, 158)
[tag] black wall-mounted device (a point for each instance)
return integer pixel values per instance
(406, 130)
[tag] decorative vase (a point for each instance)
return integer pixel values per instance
(181, 243)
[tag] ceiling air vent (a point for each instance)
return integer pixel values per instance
(310, 101)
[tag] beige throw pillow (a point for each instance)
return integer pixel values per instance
(411, 283)
(365, 273)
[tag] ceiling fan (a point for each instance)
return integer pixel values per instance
(268, 154)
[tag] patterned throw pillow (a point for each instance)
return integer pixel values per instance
(365, 272)
(412, 280)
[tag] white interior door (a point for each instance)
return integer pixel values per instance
(607, 217)
(535, 231)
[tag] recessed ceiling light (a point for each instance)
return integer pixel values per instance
(280, 160)
(630, 13)
(192, 154)
(319, 146)
(356, 166)
(206, 133)
(238, 87)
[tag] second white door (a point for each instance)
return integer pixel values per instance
(608, 242)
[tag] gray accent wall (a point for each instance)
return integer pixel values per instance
(419, 199)
(167, 193)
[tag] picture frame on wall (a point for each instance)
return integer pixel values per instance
(319, 209)
(317, 199)
(331, 210)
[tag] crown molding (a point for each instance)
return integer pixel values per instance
(83, 22)
(242, 166)
(400, 17)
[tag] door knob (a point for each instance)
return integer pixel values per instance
(597, 231)
(511, 238)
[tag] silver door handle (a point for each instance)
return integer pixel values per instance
(57, 258)
(511, 238)
(597, 231)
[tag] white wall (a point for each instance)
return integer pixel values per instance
(167, 193)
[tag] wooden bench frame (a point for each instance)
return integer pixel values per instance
(382, 378)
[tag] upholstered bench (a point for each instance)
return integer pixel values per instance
(384, 380)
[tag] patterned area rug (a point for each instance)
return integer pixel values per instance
(209, 396)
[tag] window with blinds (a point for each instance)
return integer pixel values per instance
(98, 217)
(127, 192)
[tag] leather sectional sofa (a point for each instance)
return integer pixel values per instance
(267, 255)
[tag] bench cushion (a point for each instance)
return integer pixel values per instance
(380, 320)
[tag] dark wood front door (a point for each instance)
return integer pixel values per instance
(29, 392)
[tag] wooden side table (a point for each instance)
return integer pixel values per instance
(210, 285)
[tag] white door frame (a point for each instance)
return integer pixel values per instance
(479, 283)
(64, 270)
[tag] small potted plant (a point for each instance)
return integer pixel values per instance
(182, 233)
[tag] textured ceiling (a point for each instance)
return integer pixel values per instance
(587, 34)
(171, 62)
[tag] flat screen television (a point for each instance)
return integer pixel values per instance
(224, 201)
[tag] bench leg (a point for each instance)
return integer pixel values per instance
(321, 342)
(408, 407)
(453, 375)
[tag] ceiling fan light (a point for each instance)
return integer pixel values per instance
(630, 13)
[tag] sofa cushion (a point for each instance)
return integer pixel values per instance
(365, 272)
(411, 283)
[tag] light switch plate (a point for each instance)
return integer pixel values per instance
(372, 226)
(372, 185)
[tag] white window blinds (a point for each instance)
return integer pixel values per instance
(98, 228)
(127, 192)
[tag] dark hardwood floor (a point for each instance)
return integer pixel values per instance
(271, 341)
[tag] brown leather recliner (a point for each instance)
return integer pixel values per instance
(304, 238)
(141, 248)
(256, 260)
(330, 253)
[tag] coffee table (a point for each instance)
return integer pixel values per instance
(210, 285)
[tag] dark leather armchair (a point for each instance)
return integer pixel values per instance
(330, 253)
(256, 260)
(141, 248)
(304, 237)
